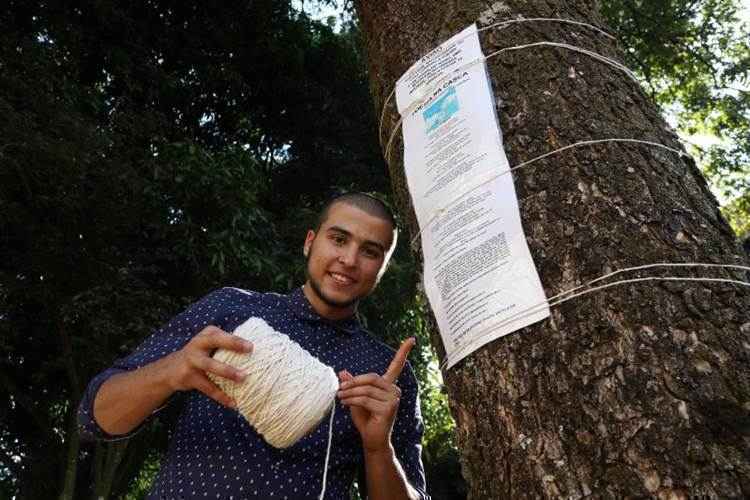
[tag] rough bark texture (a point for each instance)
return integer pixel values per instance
(639, 391)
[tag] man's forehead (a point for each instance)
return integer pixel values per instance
(342, 211)
(358, 222)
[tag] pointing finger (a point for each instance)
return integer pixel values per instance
(399, 360)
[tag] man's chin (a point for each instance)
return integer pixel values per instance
(340, 303)
(331, 300)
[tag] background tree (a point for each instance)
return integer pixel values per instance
(694, 60)
(152, 152)
(638, 391)
(148, 154)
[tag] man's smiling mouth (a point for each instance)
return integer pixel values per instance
(341, 278)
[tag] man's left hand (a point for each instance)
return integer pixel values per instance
(374, 399)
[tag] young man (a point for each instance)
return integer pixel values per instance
(214, 452)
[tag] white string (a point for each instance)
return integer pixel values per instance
(421, 100)
(651, 266)
(561, 297)
(551, 19)
(599, 141)
(418, 101)
(491, 26)
(529, 162)
(540, 307)
(328, 454)
(575, 48)
(287, 391)
(382, 115)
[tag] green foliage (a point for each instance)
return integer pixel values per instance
(141, 484)
(694, 56)
(736, 213)
(152, 152)
(149, 154)
(213, 211)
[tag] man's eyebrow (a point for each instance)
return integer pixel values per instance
(339, 229)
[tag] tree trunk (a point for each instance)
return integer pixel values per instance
(638, 390)
(72, 438)
(73, 446)
(108, 457)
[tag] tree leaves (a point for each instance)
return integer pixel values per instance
(694, 56)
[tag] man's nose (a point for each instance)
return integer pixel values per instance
(348, 255)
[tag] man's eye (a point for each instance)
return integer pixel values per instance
(371, 253)
(339, 240)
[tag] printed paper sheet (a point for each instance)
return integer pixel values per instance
(479, 276)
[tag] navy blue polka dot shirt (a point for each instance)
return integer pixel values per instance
(213, 450)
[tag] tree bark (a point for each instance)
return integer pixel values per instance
(108, 457)
(641, 390)
(73, 446)
(72, 438)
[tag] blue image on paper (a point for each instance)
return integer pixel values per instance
(441, 110)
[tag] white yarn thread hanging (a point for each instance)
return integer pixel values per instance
(287, 391)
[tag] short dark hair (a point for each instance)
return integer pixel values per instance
(363, 201)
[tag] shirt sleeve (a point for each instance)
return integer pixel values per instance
(407, 432)
(168, 339)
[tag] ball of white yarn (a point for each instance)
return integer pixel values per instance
(287, 391)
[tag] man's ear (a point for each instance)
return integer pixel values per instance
(308, 242)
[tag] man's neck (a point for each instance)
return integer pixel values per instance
(325, 310)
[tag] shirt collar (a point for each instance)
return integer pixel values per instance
(302, 308)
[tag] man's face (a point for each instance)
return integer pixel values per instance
(344, 259)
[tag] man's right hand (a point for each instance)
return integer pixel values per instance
(126, 399)
(189, 365)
